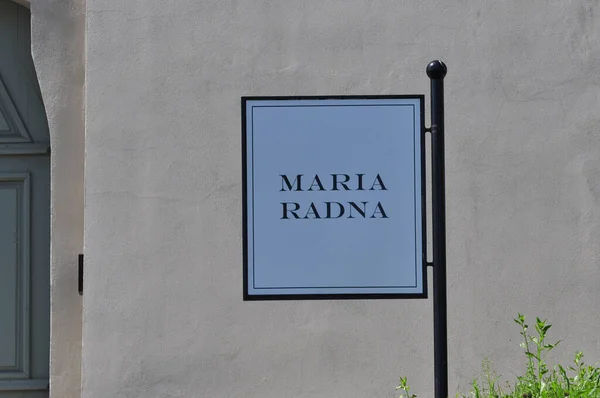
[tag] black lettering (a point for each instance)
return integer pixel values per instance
(360, 182)
(378, 181)
(340, 209)
(316, 181)
(286, 181)
(291, 211)
(379, 209)
(342, 183)
(360, 211)
(312, 210)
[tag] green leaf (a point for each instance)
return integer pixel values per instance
(532, 355)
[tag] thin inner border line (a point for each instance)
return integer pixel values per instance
(414, 190)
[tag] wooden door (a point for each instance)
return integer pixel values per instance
(24, 214)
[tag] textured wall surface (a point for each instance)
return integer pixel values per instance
(163, 310)
(57, 36)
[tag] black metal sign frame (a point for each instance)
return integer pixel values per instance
(245, 215)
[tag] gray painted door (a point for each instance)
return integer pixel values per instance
(24, 214)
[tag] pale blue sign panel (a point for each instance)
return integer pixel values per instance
(333, 203)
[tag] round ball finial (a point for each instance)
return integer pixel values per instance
(436, 69)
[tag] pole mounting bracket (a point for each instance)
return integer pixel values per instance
(80, 274)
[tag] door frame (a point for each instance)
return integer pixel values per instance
(58, 50)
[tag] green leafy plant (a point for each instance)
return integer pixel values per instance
(405, 388)
(575, 381)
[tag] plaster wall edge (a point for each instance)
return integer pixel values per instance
(58, 50)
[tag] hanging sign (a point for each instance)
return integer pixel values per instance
(333, 203)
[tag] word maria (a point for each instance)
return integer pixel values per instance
(332, 209)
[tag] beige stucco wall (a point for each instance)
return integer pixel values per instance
(163, 309)
(58, 31)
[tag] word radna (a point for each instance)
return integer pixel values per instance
(332, 209)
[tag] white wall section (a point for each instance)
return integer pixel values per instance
(163, 313)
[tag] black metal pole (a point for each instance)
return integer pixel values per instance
(436, 71)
